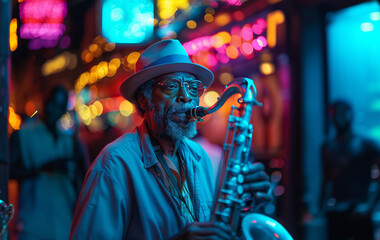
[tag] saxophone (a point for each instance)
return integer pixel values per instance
(230, 198)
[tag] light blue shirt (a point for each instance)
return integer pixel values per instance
(124, 197)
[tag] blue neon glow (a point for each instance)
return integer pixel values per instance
(127, 21)
(353, 44)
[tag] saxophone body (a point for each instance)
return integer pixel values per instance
(230, 197)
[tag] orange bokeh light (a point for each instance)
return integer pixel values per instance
(232, 52)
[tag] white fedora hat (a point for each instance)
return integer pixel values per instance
(161, 58)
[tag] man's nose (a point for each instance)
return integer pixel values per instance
(183, 94)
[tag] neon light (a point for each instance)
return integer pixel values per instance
(228, 45)
(42, 19)
(246, 48)
(273, 19)
(247, 33)
(366, 27)
(127, 22)
(13, 39)
(375, 16)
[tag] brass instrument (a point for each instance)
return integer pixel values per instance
(230, 197)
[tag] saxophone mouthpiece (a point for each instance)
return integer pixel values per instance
(196, 114)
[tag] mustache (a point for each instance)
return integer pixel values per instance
(180, 109)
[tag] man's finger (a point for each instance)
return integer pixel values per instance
(255, 177)
(257, 187)
(253, 167)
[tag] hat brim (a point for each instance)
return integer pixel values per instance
(132, 83)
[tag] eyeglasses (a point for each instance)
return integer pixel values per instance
(195, 88)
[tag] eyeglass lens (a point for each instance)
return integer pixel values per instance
(171, 87)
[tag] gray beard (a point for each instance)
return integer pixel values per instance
(172, 129)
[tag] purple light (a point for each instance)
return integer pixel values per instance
(42, 30)
(65, 42)
(37, 43)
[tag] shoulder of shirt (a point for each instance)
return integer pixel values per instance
(115, 152)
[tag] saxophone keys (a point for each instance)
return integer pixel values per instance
(240, 178)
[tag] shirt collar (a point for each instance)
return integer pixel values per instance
(148, 154)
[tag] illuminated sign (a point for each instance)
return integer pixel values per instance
(43, 20)
(127, 21)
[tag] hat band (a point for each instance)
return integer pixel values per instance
(176, 58)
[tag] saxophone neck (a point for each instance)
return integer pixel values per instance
(244, 86)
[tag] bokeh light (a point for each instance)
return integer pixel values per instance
(126, 108)
(209, 18)
(267, 68)
(210, 98)
(232, 52)
(225, 78)
(191, 24)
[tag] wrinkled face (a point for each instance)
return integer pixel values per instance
(173, 95)
(55, 108)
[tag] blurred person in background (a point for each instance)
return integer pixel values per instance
(156, 183)
(49, 166)
(350, 186)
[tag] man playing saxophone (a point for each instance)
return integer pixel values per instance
(156, 183)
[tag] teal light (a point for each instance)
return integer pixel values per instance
(353, 37)
(366, 27)
(129, 22)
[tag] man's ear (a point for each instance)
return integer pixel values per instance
(142, 101)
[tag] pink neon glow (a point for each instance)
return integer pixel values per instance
(221, 49)
(198, 44)
(234, 2)
(247, 33)
(235, 30)
(42, 19)
(262, 22)
(246, 48)
(223, 58)
(211, 60)
(263, 41)
(257, 29)
(35, 10)
(257, 45)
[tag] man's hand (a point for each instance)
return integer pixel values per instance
(206, 230)
(256, 182)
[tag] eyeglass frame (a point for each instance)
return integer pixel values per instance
(181, 83)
